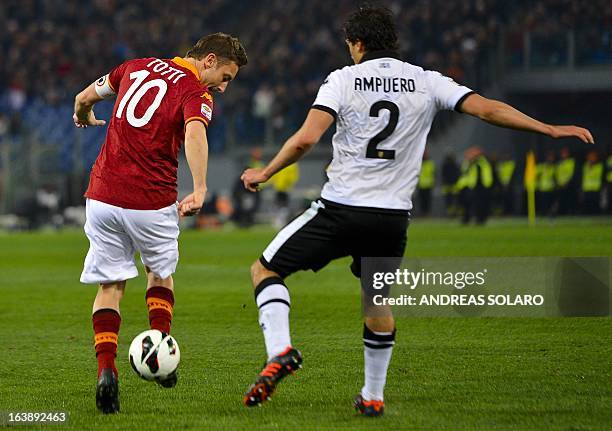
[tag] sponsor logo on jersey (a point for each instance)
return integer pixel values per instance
(206, 111)
(207, 96)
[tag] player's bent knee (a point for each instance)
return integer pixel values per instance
(109, 296)
(153, 280)
(114, 288)
(260, 273)
(380, 324)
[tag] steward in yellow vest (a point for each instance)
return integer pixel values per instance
(592, 182)
(505, 170)
(545, 185)
(450, 175)
(475, 185)
(426, 184)
(567, 196)
(283, 182)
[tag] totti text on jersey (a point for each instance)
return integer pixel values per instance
(172, 74)
(387, 85)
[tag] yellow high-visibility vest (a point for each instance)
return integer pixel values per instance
(545, 177)
(505, 170)
(285, 179)
(486, 171)
(461, 182)
(592, 175)
(427, 177)
(469, 176)
(565, 171)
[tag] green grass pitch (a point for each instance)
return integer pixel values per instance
(451, 373)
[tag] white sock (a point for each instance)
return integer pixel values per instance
(273, 302)
(377, 350)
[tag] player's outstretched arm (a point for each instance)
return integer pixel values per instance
(83, 108)
(503, 115)
(316, 123)
(196, 152)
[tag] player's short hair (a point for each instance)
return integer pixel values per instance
(224, 46)
(373, 26)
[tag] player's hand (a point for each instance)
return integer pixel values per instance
(572, 131)
(89, 119)
(191, 204)
(251, 178)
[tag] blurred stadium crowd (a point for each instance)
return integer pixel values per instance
(50, 49)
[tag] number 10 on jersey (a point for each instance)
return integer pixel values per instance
(133, 97)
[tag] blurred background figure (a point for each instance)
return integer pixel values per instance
(215, 212)
(545, 185)
(247, 204)
(505, 169)
(427, 180)
(42, 209)
(474, 186)
(450, 174)
(565, 178)
(283, 182)
(592, 182)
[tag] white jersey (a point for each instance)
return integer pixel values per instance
(384, 108)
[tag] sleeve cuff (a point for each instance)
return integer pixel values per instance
(327, 109)
(461, 100)
(188, 120)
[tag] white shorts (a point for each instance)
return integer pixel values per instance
(115, 234)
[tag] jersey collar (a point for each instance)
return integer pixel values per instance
(184, 63)
(386, 53)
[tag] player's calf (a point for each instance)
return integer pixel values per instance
(106, 323)
(273, 301)
(160, 304)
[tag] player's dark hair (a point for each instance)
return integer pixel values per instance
(224, 46)
(373, 26)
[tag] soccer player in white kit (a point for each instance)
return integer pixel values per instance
(383, 108)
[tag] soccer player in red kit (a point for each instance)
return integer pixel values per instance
(132, 194)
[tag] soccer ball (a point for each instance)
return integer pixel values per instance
(154, 355)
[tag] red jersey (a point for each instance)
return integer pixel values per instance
(137, 165)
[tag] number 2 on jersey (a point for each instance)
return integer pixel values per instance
(139, 78)
(375, 153)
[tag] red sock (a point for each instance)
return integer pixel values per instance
(160, 302)
(106, 324)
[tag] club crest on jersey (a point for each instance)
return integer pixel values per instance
(206, 111)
